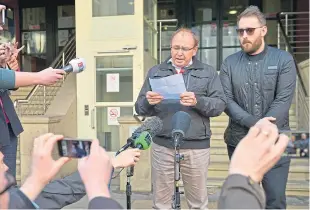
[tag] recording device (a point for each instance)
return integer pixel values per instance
(76, 65)
(141, 139)
(152, 126)
(180, 124)
(74, 148)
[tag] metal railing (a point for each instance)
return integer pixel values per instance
(293, 36)
(40, 97)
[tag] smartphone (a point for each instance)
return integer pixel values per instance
(74, 148)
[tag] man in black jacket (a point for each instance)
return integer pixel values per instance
(204, 98)
(258, 82)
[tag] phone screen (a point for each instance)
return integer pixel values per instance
(74, 148)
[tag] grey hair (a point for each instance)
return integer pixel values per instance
(253, 11)
(187, 30)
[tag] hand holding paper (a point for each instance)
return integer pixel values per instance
(188, 99)
(153, 98)
(170, 87)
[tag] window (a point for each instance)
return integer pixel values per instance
(114, 81)
(107, 129)
(112, 7)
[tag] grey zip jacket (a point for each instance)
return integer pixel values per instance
(256, 87)
(199, 78)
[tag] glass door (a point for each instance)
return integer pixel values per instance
(114, 96)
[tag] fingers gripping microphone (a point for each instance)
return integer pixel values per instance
(76, 65)
(180, 124)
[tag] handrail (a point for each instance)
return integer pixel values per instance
(60, 57)
(289, 48)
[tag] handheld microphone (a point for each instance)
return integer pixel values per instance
(144, 141)
(76, 65)
(180, 124)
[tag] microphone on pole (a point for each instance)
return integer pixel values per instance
(180, 124)
(76, 65)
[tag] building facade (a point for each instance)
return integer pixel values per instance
(121, 40)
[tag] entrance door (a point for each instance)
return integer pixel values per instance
(113, 96)
(109, 36)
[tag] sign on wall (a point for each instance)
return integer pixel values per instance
(113, 114)
(112, 82)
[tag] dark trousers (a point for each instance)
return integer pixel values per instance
(274, 182)
(9, 153)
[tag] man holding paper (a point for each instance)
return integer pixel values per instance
(182, 83)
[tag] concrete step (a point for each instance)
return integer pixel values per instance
(296, 172)
(224, 159)
(293, 188)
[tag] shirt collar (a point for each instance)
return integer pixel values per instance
(170, 61)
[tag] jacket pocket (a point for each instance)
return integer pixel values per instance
(197, 129)
(198, 81)
(270, 80)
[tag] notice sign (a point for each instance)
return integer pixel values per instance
(112, 82)
(113, 114)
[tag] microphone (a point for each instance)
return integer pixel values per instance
(152, 125)
(76, 65)
(144, 141)
(180, 124)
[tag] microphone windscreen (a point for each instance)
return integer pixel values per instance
(78, 65)
(153, 125)
(180, 122)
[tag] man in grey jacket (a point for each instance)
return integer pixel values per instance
(204, 99)
(258, 82)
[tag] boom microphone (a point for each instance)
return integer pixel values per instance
(76, 65)
(180, 124)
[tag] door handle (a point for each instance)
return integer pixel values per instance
(92, 118)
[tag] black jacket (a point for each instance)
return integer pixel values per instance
(11, 114)
(199, 78)
(257, 87)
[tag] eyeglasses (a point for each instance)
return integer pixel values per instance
(10, 182)
(183, 49)
(249, 31)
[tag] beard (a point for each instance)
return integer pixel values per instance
(251, 47)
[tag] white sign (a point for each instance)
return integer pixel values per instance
(113, 114)
(112, 82)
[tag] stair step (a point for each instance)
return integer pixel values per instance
(296, 172)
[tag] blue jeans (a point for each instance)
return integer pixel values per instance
(9, 153)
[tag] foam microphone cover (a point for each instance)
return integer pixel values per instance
(153, 125)
(180, 123)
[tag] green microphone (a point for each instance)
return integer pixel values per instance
(143, 141)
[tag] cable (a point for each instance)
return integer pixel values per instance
(117, 174)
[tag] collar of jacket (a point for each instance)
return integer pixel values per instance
(196, 65)
(257, 57)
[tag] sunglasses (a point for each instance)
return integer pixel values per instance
(10, 182)
(249, 31)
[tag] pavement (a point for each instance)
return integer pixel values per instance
(144, 200)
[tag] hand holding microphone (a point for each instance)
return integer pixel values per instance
(50, 76)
